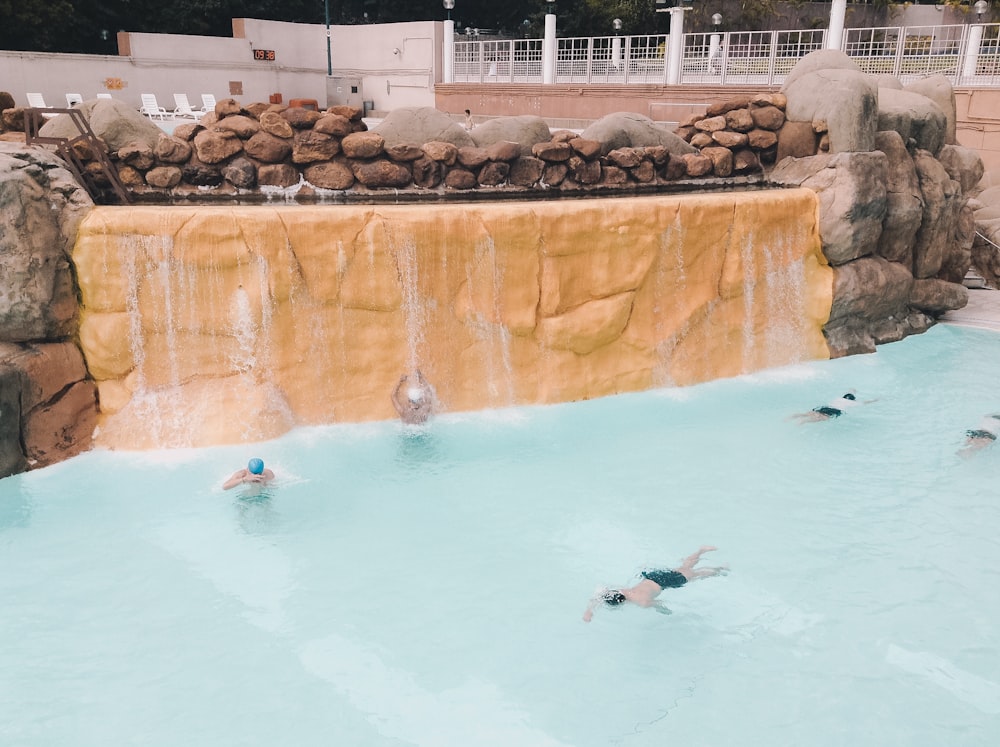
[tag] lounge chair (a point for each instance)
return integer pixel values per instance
(104, 95)
(37, 101)
(182, 107)
(150, 108)
(72, 99)
(207, 102)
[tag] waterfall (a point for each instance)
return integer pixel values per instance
(225, 324)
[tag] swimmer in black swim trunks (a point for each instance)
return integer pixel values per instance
(653, 582)
(833, 410)
(982, 436)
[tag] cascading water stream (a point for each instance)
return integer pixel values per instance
(207, 325)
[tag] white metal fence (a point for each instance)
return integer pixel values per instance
(968, 55)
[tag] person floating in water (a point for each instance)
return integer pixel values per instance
(413, 398)
(982, 436)
(833, 410)
(653, 582)
(255, 473)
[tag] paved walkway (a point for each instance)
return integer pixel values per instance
(983, 311)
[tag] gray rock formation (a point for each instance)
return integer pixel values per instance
(47, 403)
(114, 121)
(918, 120)
(628, 130)
(421, 124)
(525, 130)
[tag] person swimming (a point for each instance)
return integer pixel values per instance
(834, 409)
(419, 403)
(255, 472)
(654, 581)
(984, 435)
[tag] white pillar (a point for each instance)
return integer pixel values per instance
(675, 46)
(835, 37)
(549, 49)
(972, 51)
(449, 52)
(616, 52)
(714, 42)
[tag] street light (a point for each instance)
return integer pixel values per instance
(716, 21)
(981, 7)
(617, 23)
(449, 5)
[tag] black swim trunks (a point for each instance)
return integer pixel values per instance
(665, 579)
(830, 412)
(981, 434)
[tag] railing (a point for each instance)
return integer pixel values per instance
(968, 55)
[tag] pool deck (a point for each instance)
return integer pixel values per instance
(982, 311)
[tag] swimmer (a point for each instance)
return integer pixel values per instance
(653, 582)
(982, 436)
(254, 473)
(469, 124)
(418, 404)
(833, 410)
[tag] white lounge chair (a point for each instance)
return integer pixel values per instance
(72, 99)
(37, 101)
(208, 102)
(104, 95)
(150, 108)
(182, 107)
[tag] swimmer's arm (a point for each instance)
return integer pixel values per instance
(235, 480)
(661, 608)
(588, 614)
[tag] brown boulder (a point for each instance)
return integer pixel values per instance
(426, 172)
(382, 173)
(442, 152)
(227, 108)
(62, 428)
(460, 179)
(352, 113)
(723, 107)
(711, 124)
(472, 157)
(164, 177)
(267, 148)
(309, 146)
(494, 173)
(277, 175)
(300, 118)
(241, 126)
(274, 124)
(186, 132)
(938, 296)
(404, 152)
(644, 173)
(614, 176)
(554, 173)
(721, 158)
(625, 158)
(586, 149)
(729, 139)
(761, 139)
(171, 149)
(213, 146)
(137, 154)
(796, 140)
(241, 173)
(552, 152)
(333, 124)
(697, 164)
(504, 150)
(767, 117)
(739, 120)
(585, 172)
(130, 177)
(330, 175)
(526, 171)
(363, 145)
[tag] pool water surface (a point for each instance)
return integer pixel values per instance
(425, 587)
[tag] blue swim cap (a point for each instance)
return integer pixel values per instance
(256, 466)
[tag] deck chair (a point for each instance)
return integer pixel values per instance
(72, 99)
(182, 107)
(150, 108)
(104, 95)
(208, 102)
(37, 101)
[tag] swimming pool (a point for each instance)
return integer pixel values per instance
(426, 588)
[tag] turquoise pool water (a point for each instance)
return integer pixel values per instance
(426, 588)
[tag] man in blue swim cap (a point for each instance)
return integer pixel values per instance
(255, 472)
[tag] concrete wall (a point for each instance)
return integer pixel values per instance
(164, 64)
(978, 125)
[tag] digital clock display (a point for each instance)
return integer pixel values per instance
(264, 55)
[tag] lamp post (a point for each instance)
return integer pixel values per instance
(329, 54)
(549, 44)
(714, 42)
(449, 43)
(835, 36)
(675, 44)
(980, 8)
(616, 44)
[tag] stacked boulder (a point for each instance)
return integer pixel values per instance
(740, 135)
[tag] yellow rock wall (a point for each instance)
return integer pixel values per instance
(210, 325)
